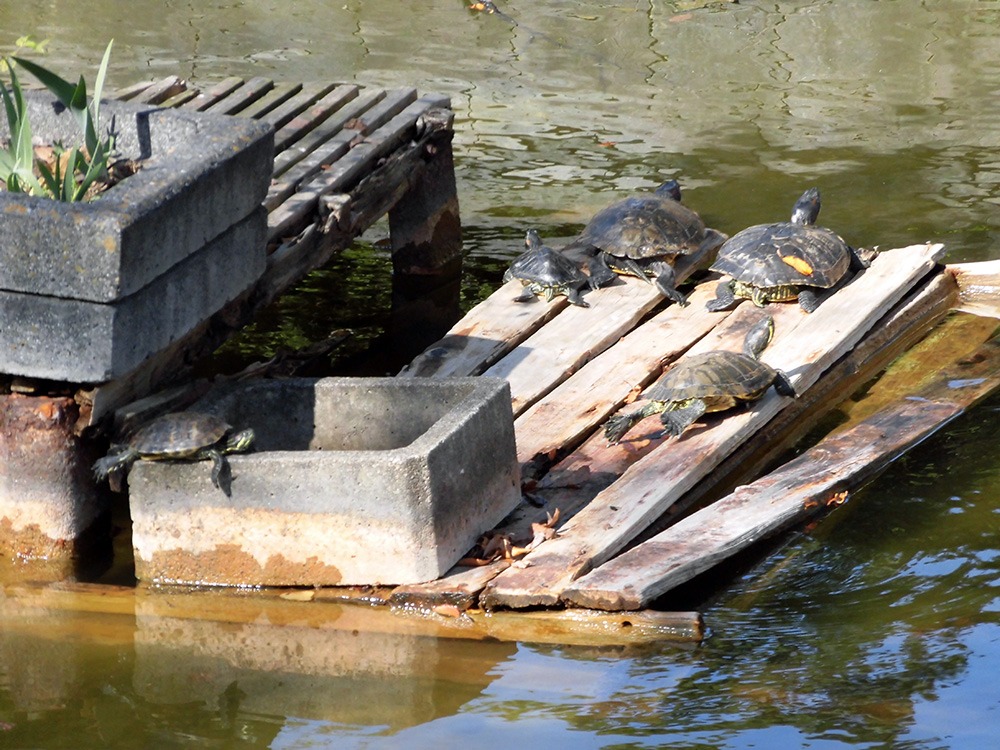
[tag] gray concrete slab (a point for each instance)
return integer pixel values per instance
(88, 342)
(201, 174)
(355, 481)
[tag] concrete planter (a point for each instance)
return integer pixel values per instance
(355, 481)
(100, 274)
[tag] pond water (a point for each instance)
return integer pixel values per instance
(877, 628)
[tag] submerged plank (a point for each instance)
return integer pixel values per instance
(294, 610)
(804, 487)
(653, 483)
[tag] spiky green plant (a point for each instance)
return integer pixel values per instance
(69, 178)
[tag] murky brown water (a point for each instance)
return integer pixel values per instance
(880, 629)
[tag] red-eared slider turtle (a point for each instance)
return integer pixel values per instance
(547, 272)
(182, 435)
(642, 235)
(784, 261)
(713, 381)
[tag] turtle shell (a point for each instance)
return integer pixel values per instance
(178, 435)
(546, 267)
(714, 375)
(771, 255)
(645, 226)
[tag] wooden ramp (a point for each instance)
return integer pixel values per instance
(570, 368)
(344, 157)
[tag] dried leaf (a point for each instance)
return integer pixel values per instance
(447, 610)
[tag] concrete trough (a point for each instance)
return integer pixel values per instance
(89, 290)
(354, 481)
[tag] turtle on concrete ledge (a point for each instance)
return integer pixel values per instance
(184, 436)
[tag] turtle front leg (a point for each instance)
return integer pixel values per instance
(725, 298)
(527, 294)
(573, 295)
(666, 281)
(676, 421)
(220, 467)
(616, 426)
(599, 271)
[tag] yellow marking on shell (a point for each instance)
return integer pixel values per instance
(798, 264)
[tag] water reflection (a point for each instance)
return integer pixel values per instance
(878, 629)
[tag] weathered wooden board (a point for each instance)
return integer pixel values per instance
(979, 287)
(656, 481)
(553, 426)
(901, 328)
(314, 116)
(802, 488)
(498, 326)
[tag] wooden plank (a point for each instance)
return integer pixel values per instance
(346, 171)
(317, 149)
(900, 329)
(307, 121)
(652, 484)
(277, 95)
(178, 100)
(370, 112)
(269, 607)
(979, 287)
(296, 105)
(553, 426)
(497, 325)
(577, 334)
(243, 97)
(213, 94)
(803, 488)
(161, 91)
(129, 92)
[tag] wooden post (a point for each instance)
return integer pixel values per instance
(424, 225)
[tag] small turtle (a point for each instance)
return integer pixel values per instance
(784, 261)
(712, 381)
(183, 435)
(547, 272)
(643, 234)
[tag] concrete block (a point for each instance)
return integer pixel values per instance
(355, 481)
(89, 342)
(201, 174)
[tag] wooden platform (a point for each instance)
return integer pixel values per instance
(345, 156)
(570, 368)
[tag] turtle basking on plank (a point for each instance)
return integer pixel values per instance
(546, 272)
(642, 235)
(712, 381)
(784, 261)
(183, 435)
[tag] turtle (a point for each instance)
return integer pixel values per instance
(785, 261)
(184, 435)
(641, 235)
(711, 381)
(547, 272)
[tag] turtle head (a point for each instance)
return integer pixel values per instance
(806, 209)
(670, 189)
(532, 240)
(758, 337)
(240, 442)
